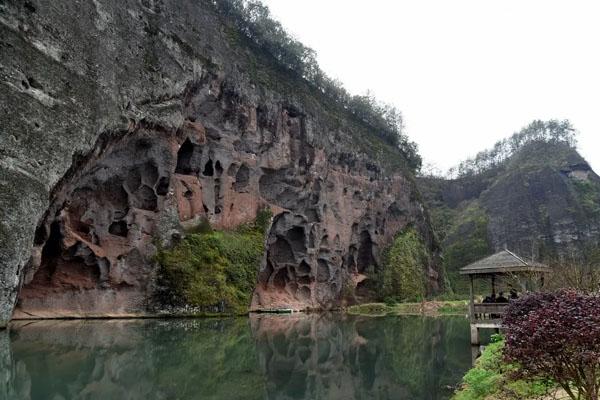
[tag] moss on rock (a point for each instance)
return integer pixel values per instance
(215, 270)
(403, 277)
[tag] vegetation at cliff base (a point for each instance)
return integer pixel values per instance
(215, 270)
(402, 277)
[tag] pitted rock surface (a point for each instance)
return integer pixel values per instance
(124, 123)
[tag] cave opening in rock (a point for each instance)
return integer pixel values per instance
(218, 168)
(208, 168)
(184, 158)
(365, 252)
(350, 259)
(162, 187)
(296, 237)
(61, 270)
(93, 246)
(118, 228)
(232, 169)
(303, 269)
(281, 252)
(242, 178)
(52, 248)
(40, 235)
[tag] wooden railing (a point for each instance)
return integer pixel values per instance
(485, 311)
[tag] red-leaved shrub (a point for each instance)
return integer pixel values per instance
(557, 336)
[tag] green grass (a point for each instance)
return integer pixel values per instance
(373, 309)
(491, 378)
(215, 270)
(454, 307)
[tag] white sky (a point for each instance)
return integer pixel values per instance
(464, 73)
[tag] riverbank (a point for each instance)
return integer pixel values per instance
(431, 308)
(493, 379)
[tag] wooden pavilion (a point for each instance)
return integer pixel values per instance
(502, 264)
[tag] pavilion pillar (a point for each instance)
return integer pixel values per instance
(471, 300)
(474, 334)
(494, 286)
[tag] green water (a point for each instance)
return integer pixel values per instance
(263, 357)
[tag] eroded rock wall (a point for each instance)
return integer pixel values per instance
(123, 123)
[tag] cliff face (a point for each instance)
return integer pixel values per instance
(126, 123)
(544, 202)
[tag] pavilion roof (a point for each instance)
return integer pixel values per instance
(503, 262)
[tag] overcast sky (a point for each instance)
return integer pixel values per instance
(464, 73)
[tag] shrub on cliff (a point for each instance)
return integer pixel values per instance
(556, 336)
(215, 270)
(402, 277)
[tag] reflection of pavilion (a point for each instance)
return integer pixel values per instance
(504, 264)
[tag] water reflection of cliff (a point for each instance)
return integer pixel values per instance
(267, 357)
(174, 359)
(337, 357)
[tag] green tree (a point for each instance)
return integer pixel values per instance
(403, 276)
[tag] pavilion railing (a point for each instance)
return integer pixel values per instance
(487, 311)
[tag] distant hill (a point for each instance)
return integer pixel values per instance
(541, 200)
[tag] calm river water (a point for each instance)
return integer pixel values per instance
(296, 356)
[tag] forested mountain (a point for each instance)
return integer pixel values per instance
(532, 193)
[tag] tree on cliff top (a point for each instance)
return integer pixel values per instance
(556, 336)
(254, 21)
(552, 131)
